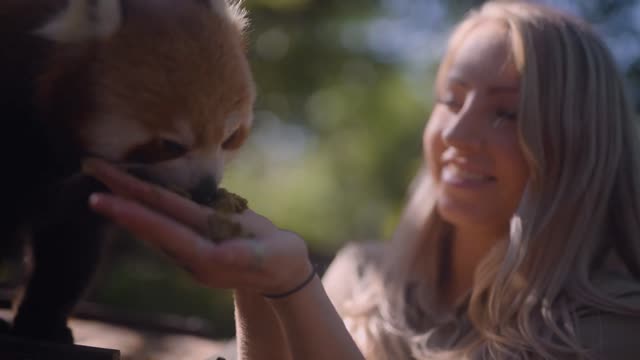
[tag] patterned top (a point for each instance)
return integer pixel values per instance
(608, 336)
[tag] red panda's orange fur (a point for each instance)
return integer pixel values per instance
(169, 59)
(147, 45)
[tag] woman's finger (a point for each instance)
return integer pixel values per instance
(173, 205)
(251, 263)
(254, 223)
(179, 241)
(169, 203)
(242, 254)
(238, 263)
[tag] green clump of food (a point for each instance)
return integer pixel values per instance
(228, 202)
(219, 225)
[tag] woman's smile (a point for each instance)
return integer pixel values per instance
(458, 176)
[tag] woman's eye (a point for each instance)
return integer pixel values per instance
(503, 116)
(449, 101)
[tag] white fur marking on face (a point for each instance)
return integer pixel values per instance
(231, 123)
(109, 17)
(188, 171)
(235, 120)
(183, 133)
(112, 137)
(82, 20)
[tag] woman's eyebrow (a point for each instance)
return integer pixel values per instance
(455, 80)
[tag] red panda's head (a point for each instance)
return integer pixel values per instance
(161, 85)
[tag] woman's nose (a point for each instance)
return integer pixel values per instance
(462, 130)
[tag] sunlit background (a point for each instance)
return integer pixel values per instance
(344, 88)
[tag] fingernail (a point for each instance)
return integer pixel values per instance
(94, 199)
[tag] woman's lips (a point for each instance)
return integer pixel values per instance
(453, 174)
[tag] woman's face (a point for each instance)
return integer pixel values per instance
(470, 142)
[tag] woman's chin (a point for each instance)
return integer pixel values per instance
(477, 214)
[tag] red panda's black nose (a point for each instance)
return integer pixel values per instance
(205, 192)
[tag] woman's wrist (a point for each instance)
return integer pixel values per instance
(285, 288)
(291, 279)
(312, 326)
(293, 289)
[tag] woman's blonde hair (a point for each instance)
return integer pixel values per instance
(581, 207)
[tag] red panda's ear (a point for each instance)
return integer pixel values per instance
(83, 20)
(231, 10)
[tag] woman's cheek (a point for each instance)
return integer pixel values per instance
(432, 143)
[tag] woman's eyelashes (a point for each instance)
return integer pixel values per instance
(449, 100)
(507, 114)
(455, 103)
(504, 116)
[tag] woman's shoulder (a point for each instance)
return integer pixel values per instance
(351, 265)
(612, 335)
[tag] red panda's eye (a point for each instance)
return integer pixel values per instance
(235, 140)
(173, 148)
(156, 150)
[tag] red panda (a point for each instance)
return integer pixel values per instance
(161, 86)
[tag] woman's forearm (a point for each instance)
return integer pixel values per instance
(303, 325)
(312, 327)
(258, 331)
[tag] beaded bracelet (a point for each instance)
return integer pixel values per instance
(295, 289)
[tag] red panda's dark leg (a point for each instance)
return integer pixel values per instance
(66, 255)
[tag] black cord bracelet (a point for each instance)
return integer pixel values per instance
(295, 289)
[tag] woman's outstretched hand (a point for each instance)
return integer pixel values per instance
(273, 261)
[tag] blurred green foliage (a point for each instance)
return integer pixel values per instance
(337, 134)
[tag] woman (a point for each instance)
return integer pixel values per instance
(520, 240)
